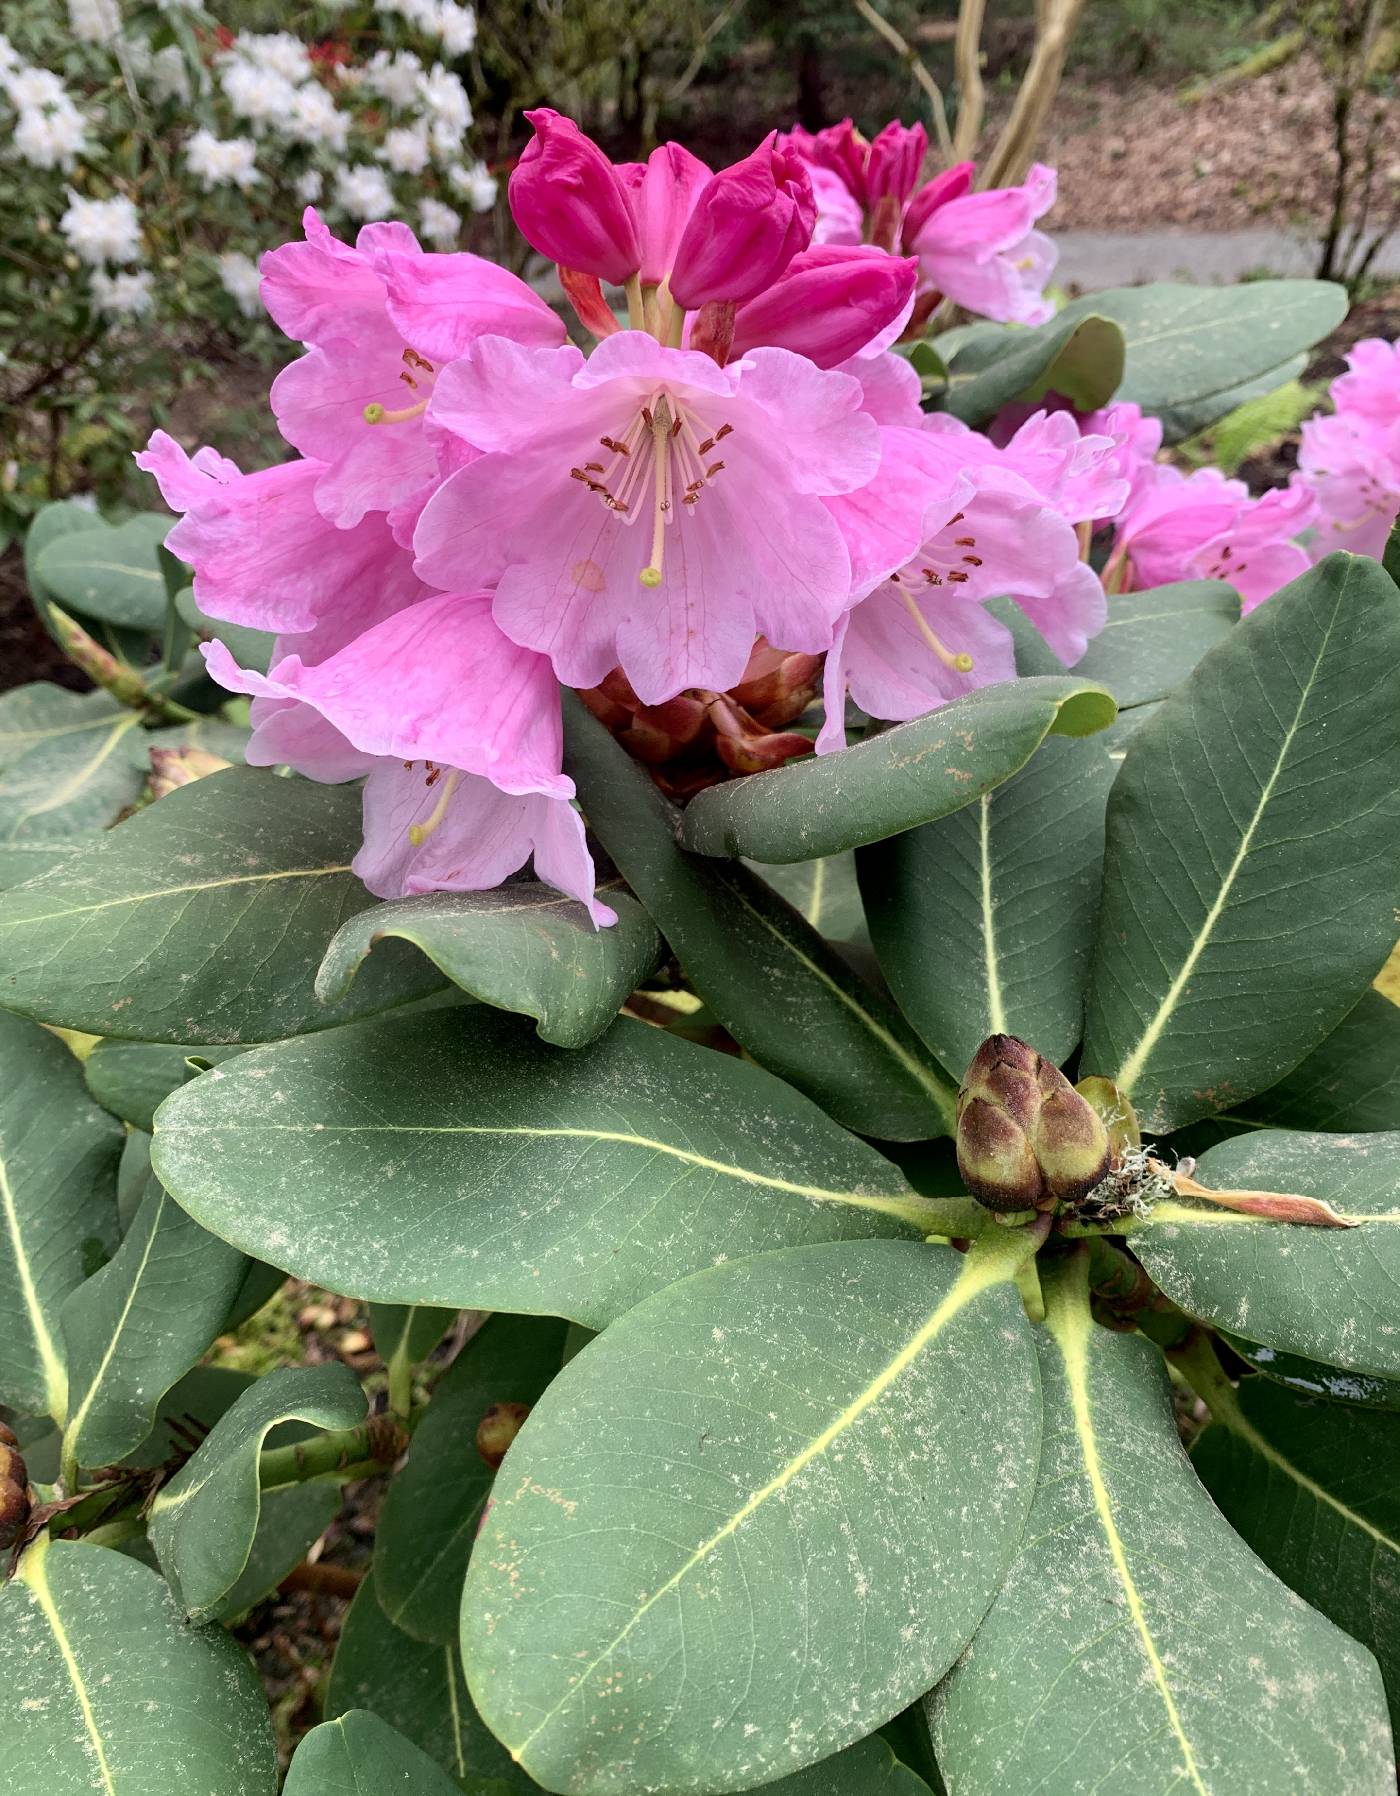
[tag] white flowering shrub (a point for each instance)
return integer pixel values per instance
(148, 155)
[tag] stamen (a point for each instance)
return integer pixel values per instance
(375, 413)
(955, 663)
(418, 833)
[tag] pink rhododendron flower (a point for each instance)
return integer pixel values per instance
(1075, 471)
(1350, 461)
(923, 636)
(981, 249)
(380, 318)
(569, 203)
(262, 552)
(647, 509)
(1202, 526)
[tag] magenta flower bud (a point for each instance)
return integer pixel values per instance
(662, 191)
(894, 161)
(569, 203)
(952, 184)
(843, 150)
(832, 301)
(747, 224)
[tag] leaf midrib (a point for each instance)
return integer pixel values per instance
(1132, 1066)
(978, 1274)
(33, 1572)
(920, 1212)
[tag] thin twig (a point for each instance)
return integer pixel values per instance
(967, 64)
(1039, 85)
(697, 61)
(910, 58)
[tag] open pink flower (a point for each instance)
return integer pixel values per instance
(923, 636)
(981, 249)
(648, 509)
(1350, 461)
(1204, 527)
(381, 319)
(263, 554)
(458, 731)
(1076, 471)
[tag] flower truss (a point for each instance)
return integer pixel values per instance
(729, 500)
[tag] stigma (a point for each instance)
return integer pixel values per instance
(658, 466)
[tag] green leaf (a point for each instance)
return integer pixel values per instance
(360, 1755)
(452, 1159)
(869, 1768)
(1309, 1378)
(111, 573)
(290, 1523)
(250, 648)
(66, 518)
(133, 1175)
(139, 1324)
(58, 1165)
(23, 861)
(523, 947)
(774, 983)
(1182, 421)
(825, 893)
(71, 786)
(202, 1522)
(1137, 1644)
(202, 919)
(1253, 852)
(840, 1443)
(984, 921)
(1349, 1083)
(905, 776)
(1154, 639)
(1077, 353)
(130, 1078)
(1326, 1293)
(416, 1688)
(1188, 343)
(1314, 1488)
(32, 716)
(107, 1689)
(433, 1507)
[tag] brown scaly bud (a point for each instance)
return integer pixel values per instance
(172, 767)
(1025, 1137)
(14, 1489)
(497, 1429)
(777, 687)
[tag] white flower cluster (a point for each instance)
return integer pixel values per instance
(238, 276)
(222, 161)
(102, 231)
(453, 26)
(94, 21)
(49, 130)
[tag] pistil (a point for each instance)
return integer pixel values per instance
(418, 833)
(960, 662)
(375, 413)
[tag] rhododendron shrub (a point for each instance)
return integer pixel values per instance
(791, 901)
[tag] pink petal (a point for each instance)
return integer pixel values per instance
(286, 732)
(321, 290)
(442, 304)
(894, 674)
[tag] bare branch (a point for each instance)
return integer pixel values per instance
(967, 64)
(909, 57)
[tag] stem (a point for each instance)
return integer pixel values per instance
(400, 1380)
(1012, 155)
(343, 1455)
(636, 305)
(125, 684)
(1196, 1357)
(967, 65)
(910, 58)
